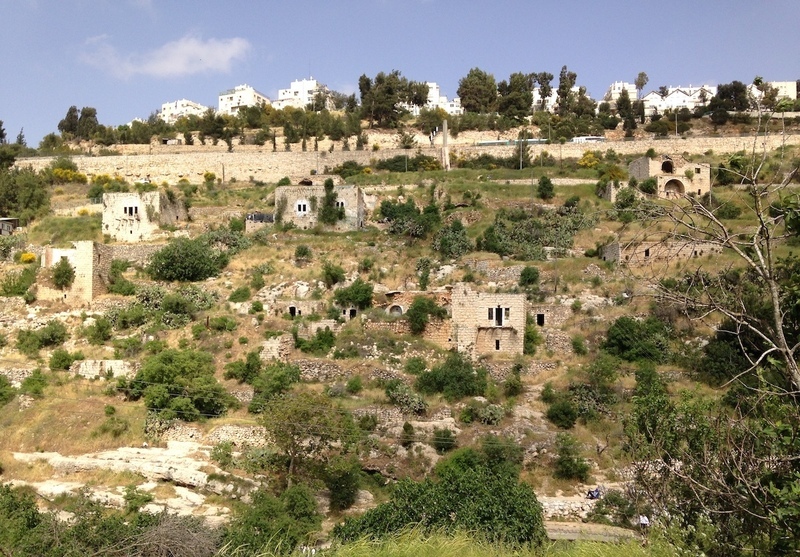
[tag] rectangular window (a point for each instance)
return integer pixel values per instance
(507, 313)
(497, 344)
(491, 314)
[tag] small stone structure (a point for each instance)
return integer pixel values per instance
(256, 221)
(103, 369)
(134, 217)
(92, 264)
(549, 315)
(675, 176)
(300, 205)
(636, 254)
(488, 323)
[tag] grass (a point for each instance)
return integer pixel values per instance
(56, 230)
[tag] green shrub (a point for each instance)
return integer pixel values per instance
(579, 345)
(332, 274)
(415, 365)
(61, 359)
(455, 378)
(569, 465)
(222, 324)
(302, 253)
(186, 260)
(420, 312)
(354, 385)
(633, 340)
(404, 398)
(256, 307)
(563, 414)
(63, 273)
(319, 345)
(241, 294)
(34, 384)
(529, 276)
(7, 392)
(358, 294)
(222, 454)
(100, 331)
(443, 440)
(408, 436)
(342, 478)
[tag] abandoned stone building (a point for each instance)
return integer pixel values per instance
(257, 221)
(487, 323)
(92, 264)
(639, 253)
(398, 301)
(299, 205)
(675, 175)
(135, 217)
(8, 225)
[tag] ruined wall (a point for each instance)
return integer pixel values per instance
(675, 175)
(137, 254)
(494, 271)
(477, 327)
(89, 264)
(549, 315)
(134, 217)
(398, 302)
(637, 254)
(303, 202)
(102, 369)
(277, 348)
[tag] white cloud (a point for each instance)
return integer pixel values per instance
(186, 56)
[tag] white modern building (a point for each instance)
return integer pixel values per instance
(677, 98)
(300, 94)
(436, 100)
(616, 89)
(551, 101)
(170, 112)
(232, 100)
(786, 89)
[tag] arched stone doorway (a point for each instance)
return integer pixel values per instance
(667, 167)
(396, 310)
(674, 189)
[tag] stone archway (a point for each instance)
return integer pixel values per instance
(674, 189)
(667, 167)
(396, 310)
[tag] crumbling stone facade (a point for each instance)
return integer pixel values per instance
(92, 264)
(636, 254)
(675, 175)
(488, 323)
(300, 205)
(135, 217)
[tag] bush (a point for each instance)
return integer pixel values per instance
(187, 261)
(545, 189)
(452, 241)
(302, 253)
(34, 384)
(63, 273)
(443, 440)
(319, 345)
(420, 311)
(563, 414)
(402, 396)
(342, 480)
(241, 294)
(415, 365)
(332, 274)
(7, 393)
(99, 332)
(529, 276)
(358, 294)
(61, 359)
(354, 385)
(569, 465)
(455, 378)
(634, 340)
(579, 345)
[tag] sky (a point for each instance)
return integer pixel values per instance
(127, 57)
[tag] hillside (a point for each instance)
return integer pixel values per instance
(245, 358)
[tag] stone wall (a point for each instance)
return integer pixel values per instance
(102, 369)
(300, 205)
(277, 348)
(494, 271)
(15, 375)
(169, 163)
(635, 254)
(549, 315)
(91, 268)
(135, 217)
(487, 322)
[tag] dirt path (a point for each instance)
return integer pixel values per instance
(587, 532)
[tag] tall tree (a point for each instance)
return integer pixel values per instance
(2, 133)
(516, 96)
(641, 81)
(544, 79)
(730, 96)
(69, 125)
(566, 81)
(87, 123)
(21, 138)
(478, 91)
(381, 97)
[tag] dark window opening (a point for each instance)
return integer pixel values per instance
(667, 167)
(647, 252)
(498, 317)
(292, 311)
(497, 345)
(353, 312)
(540, 319)
(491, 314)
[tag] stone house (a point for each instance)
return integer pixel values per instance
(487, 323)
(136, 217)
(92, 264)
(299, 205)
(639, 253)
(675, 176)
(8, 225)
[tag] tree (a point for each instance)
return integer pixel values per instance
(545, 190)
(515, 97)
(738, 477)
(69, 125)
(381, 97)
(185, 259)
(478, 91)
(20, 138)
(566, 81)
(63, 273)
(731, 96)
(544, 79)
(87, 123)
(329, 212)
(305, 427)
(641, 81)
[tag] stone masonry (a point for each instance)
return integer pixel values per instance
(134, 217)
(488, 323)
(299, 205)
(637, 254)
